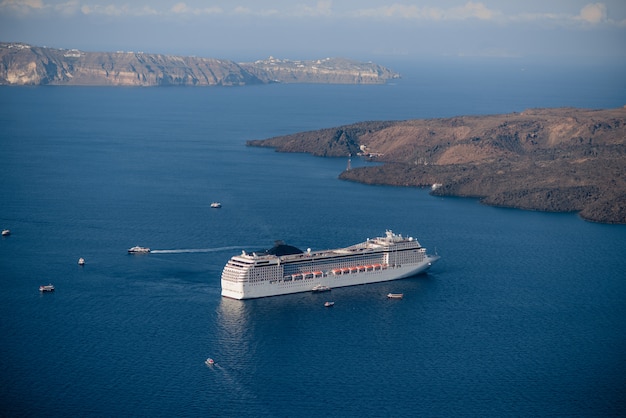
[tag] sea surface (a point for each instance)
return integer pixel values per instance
(524, 315)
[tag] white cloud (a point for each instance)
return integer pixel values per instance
(322, 8)
(21, 7)
(180, 8)
(34, 4)
(469, 10)
(68, 8)
(593, 13)
(118, 10)
(472, 10)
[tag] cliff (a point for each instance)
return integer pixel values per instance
(561, 160)
(328, 70)
(22, 64)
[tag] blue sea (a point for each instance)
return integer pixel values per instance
(524, 315)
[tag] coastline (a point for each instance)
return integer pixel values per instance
(554, 160)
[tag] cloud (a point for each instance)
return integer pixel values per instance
(321, 8)
(182, 8)
(593, 13)
(179, 8)
(119, 11)
(469, 10)
(68, 8)
(21, 7)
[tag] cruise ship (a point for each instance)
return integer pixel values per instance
(285, 269)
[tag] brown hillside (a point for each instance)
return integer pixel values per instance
(561, 160)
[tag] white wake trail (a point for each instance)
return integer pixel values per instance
(195, 250)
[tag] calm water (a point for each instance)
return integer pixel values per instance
(523, 315)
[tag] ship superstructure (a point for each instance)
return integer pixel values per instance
(284, 269)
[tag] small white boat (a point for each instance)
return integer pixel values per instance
(46, 288)
(329, 304)
(138, 250)
(216, 205)
(81, 261)
(395, 295)
(6, 232)
(209, 362)
(320, 288)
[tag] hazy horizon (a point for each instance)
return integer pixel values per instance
(364, 29)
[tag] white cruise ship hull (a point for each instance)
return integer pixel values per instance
(265, 288)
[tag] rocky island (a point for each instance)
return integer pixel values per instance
(559, 160)
(23, 64)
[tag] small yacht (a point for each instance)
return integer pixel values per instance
(138, 250)
(46, 288)
(329, 304)
(216, 205)
(6, 232)
(81, 261)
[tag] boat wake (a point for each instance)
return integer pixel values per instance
(195, 250)
(246, 396)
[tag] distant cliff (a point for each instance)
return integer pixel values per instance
(22, 64)
(328, 70)
(561, 160)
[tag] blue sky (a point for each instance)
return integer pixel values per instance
(362, 29)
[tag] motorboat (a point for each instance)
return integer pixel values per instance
(329, 304)
(216, 205)
(46, 288)
(395, 295)
(209, 362)
(320, 288)
(6, 232)
(81, 261)
(138, 250)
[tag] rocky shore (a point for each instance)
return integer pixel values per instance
(558, 160)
